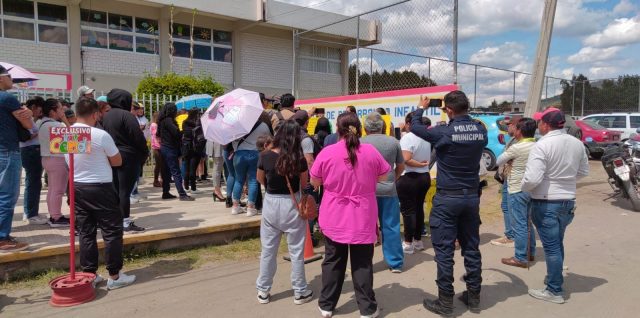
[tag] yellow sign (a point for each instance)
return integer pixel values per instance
(311, 127)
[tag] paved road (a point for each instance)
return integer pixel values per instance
(601, 281)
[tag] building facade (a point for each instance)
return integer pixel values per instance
(240, 43)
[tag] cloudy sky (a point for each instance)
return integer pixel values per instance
(598, 38)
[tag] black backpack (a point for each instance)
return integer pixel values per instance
(197, 138)
(316, 145)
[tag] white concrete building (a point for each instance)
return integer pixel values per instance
(241, 43)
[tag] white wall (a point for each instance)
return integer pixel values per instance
(220, 71)
(265, 61)
(35, 56)
(314, 85)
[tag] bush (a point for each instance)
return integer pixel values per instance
(179, 85)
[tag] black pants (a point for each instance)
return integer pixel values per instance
(159, 164)
(412, 188)
(456, 217)
(124, 179)
(334, 266)
(97, 207)
(191, 160)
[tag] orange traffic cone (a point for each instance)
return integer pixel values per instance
(309, 254)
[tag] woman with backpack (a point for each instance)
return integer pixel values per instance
(193, 144)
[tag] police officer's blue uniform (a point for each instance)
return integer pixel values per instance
(456, 206)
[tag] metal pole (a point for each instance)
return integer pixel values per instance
(573, 98)
(582, 112)
(429, 69)
(455, 41)
(371, 72)
(293, 66)
(513, 104)
(475, 85)
(358, 56)
(639, 94)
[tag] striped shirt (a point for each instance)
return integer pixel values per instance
(519, 153)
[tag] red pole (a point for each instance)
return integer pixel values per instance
(72, 220)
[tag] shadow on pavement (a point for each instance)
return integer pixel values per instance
(394, 298)
(575, 283)
(163, 269)
(498, 292)
(487, 237)
(167, 221)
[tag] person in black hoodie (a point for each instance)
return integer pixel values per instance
(123, 127)
(193, 144)
(170, 147)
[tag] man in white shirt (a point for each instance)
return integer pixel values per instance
(554, 166)
(96, 200)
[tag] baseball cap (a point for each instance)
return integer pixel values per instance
(551, 116)
(85, 90)
(65, 101)
(3, 71)
(69, 113)
(102, 98)
(301, 117)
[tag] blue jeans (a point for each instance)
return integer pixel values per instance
(172, 166)
(508, 227)
(245, 164)
(551, 218)
(389, 218)
(10, 165)
(32, 164)
(230, 173)
(524, 235)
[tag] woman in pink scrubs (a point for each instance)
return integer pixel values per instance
(349, 172)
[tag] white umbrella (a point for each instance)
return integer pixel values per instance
(231, 116)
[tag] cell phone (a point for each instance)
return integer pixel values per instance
(436, 102)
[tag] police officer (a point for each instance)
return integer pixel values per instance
(456, 205)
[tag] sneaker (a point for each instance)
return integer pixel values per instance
(304, 298)
(195, 191)
(374, 315)
(503, 241)
(36, 220)
(325, 314)
(418, 245)
(407, 248)
(134, 200)
(395, 270)
(60, 222)
(11, 245)
(132, 227)
(99, 279)
(122, 281)
(252, 212)
(187, 198)
(425, 233)
(546, 295)
(264, 297)
(236, 210)
(168, 196)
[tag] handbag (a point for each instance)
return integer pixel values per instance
(307, 208)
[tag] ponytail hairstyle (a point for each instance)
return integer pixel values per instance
(350, 129)
(288, 140)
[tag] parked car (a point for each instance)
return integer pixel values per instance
(597, 138)
(498, 137)
(627, 123)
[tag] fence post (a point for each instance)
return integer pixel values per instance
(429, 69)
(475, 85)
(582, 111)
(638, 94)
(358, 55)
(455, 42)
(573, 97)
(371, 72)
(513, 104)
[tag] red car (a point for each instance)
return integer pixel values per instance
(597, 138)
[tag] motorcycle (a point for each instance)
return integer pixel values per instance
(622, 164)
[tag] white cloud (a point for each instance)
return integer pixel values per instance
(510, 55)
(619, 32)
(603, 72)
(625, 6)
(590, 54)
(366, 64)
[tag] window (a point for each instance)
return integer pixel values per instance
(634, 121)
(610, 121)
(320, 59)
(208, 44)
(119, 32)
(34, 21)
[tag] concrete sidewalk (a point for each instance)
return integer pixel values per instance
(164, 220)
(601, 281)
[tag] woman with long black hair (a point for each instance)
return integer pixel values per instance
(279, 214)
(349, 172)
(193, 144)
(170, 144)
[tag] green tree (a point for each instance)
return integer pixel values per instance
(179, 85)
(386, 81)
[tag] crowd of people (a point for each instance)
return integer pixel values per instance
(363, 186)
